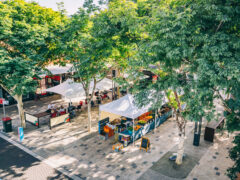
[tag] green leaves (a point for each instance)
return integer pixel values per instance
(27, 40)
(196, 46)
(235, 156)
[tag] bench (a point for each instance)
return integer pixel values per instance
(211, 127)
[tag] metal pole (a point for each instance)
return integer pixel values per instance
(112, 87)
(4, 109)
(200, 127)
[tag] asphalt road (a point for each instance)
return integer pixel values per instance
(17, 164)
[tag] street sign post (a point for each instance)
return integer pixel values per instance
(2, 101)
(20, 133)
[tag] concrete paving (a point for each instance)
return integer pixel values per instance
(17, 164)
(72, 148)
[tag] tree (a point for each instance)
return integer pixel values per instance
(26, 42)
(187, 42)
(88, 48)
(123, 17)
(234, 154)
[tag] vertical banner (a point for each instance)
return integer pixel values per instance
(20, 133)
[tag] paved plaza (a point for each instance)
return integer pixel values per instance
(69, 147)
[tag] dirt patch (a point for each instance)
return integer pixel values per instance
(170, 169)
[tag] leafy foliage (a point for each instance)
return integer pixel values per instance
(234, 154)
(26, 40)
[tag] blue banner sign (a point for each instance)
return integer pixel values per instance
(20, 133)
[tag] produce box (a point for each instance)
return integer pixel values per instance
(103, 136)
(117, 147)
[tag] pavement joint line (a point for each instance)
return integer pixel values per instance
(48, 162)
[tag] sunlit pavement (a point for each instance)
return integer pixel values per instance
(71, 148)
(17, 164)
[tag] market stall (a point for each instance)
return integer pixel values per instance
(35, 119)
(131, 122)
(70, 89)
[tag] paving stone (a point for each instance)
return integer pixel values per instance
(83, 154)
(122, 152)
(218, 173)
(134, 165)
(123, 169)
(214, 157)
(109, 165)
(90, 162)
(145, 162)
(161, 152)
(217, 153)
(109, 159)
(99, 150)
(157, 140)
(216, 168)
(137, 172)
(86, 148)
(195, 179)
(79, 175)
(117, 177)
(153, 148)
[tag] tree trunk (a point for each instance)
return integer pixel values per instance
(89, 116)
(18, 98)
(180, 149)
(181, 123)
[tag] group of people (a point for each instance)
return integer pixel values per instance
(72, 109)
(56, 111)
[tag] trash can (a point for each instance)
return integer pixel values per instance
(196, 139)
(7, 124)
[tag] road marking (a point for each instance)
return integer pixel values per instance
(51, 164)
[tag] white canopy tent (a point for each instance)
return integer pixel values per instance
(68, 89)
(57, 69)
(125, 106)
(71, 90)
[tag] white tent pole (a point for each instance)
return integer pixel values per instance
(99, 115)
(133, 132)
(155, 121)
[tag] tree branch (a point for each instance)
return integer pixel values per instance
(219, 25)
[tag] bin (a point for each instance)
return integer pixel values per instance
(196, 139)
(7, 124)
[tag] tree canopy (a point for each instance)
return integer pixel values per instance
(27, 40)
